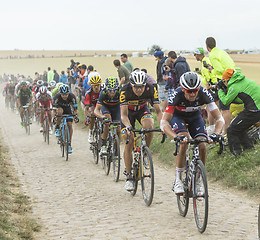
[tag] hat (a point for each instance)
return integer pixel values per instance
(198, 51)
(228, 74)
(158, 53)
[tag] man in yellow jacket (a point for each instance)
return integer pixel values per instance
(220, 62)
(208, 79)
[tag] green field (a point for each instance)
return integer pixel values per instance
(250, 64)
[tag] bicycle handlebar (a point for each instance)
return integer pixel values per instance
(142, 131)
(196, 141)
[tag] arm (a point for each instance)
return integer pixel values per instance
(158, 112)
(165, 125)
(122, 81)
(217, 116)
(229, 97)
(97, 111)
(124, 115)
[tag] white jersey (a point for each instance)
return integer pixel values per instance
(47, 98)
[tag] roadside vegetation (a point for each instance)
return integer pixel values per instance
(15, 209)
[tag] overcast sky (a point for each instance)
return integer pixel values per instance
(128, 25)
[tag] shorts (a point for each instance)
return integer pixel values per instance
(143, 113)
(67, 110)
(222, 106)
(195, 124)
(23, 103)
(162, 95)
(113, 111)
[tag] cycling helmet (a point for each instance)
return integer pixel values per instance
(43, 90)
(95, 80)
(40, 82)
(23, 83)
(64, 88)
(28, 83)
(190, 80)
(59, 85)
(112, 83)
(52, 84)
(138, 77)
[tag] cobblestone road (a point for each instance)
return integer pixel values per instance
(75, 200)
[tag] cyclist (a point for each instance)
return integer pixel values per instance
(63, 101)
(248, 91)
(51, 85)
(133, 99)
(44, 98)
(10, 92)
(24, 98)
(56, 89)
(184, 108)
(90, 102)
(108, 108)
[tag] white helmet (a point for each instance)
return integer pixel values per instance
(190, 80)
(52, 84)
(138, 78)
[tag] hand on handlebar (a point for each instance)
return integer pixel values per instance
(180, 138)
(106, 120)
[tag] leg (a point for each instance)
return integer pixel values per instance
(148, 123)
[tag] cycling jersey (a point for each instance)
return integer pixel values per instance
(65, 104)
(11, 89)
(178, 102)
(24, 96)
(110, 105)
(91, 98)
(135, 103)
(105, 99)
(45, 102)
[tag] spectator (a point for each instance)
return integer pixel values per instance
(248, 91)
(56, 76)
(44, 76)
(50, 75)
(180, 64)
(127, 64)
(220, 61)
(163, 96)
(169, 74)
(63, 78)
(123, 73)
(208, 80)
(72, 64)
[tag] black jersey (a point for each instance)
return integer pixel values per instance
(70, 101)
(128, 97)
(105, 99)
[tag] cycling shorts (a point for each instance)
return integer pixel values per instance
(140, 115)
(67, 110)
(192, 123)
(113, 111)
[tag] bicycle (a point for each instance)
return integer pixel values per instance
(26, 119)
(142, 168)
(195, 172)
(12, 103)
(113, 151)
(96, 145)
(64, 139)
(46, 125)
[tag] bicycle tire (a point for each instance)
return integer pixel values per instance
(200, 202)
(66, 142)
(116, 158)
(47, 131)
(44, 130)
(107, 163)
(28, 123)
(95, 147)
(183, 199)
(25, 122)
(62, 141)
(135, 174)
(147, 173)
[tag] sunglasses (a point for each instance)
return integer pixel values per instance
(112, 89)
(64, 94)
(138, 86)
(95, 85)
(191, 90)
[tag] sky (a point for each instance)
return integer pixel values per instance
(128, 25)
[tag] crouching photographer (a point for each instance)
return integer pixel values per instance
(234, 86)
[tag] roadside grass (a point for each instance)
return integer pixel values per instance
(15, 209)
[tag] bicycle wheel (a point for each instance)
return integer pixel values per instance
(24, 122)
(66, 142)
(47, 131)
(147, 176)
(95, 147)
(61, 141)
(44, 130)
(106, 162)
(183, 199)
(116, 158)
(135, 174)
(200, 199)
